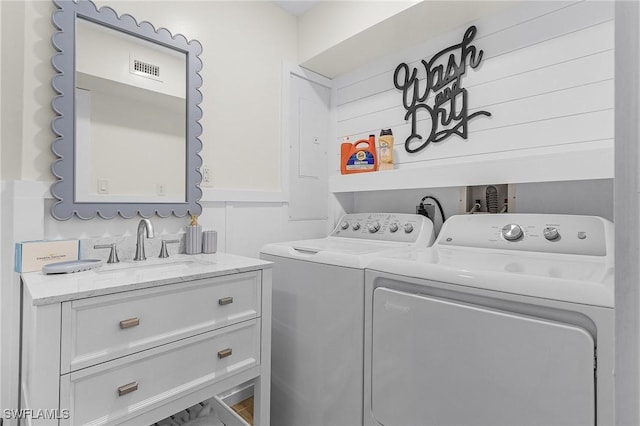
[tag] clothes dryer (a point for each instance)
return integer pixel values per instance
(318, 316)
(508, 319)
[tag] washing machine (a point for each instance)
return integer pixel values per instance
(508, 319)
(318, 316)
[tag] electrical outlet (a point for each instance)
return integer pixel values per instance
(103, 186)
(206, 175)
(431, 211)
(161, 189)
(428, 210)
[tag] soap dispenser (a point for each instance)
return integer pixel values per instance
(194, 237)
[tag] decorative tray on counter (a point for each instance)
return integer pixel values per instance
(71, 266)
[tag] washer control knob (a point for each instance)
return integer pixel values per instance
(373, 227)
(408, 228)
(511, 232)
(551, 233)
(355, 226)
(393, 227)
(344, 225)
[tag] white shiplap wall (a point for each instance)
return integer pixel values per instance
(546, 77)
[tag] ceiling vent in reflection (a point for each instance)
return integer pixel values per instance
(145, 69)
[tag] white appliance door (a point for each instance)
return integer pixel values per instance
(317, 344)
(437, 362)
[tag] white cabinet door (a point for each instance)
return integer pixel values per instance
(309, 132)
(437, 362)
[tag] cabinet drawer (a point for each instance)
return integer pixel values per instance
(222, 405)
(122, 389)
(99, 329)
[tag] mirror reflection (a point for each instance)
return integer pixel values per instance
(130, 118)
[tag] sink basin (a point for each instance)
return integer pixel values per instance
(152, 264)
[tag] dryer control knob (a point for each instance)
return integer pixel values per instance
(393, 227)
(344, 225)
(355, 226)
(551, 233)
(373, 227)
(511, 232)
(408, 228)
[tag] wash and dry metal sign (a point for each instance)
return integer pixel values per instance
(446, 110)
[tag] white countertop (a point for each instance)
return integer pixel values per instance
(124, 276)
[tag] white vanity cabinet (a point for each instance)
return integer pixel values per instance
(132, 347)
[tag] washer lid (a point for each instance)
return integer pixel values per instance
(337, 251)
(345, 246)
(570, 278)
(357, 238)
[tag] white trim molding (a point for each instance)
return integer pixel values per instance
(238, 195)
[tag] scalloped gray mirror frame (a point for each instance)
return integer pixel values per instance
(63, 125)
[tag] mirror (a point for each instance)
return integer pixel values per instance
(127, 116)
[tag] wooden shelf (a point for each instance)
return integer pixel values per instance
(587, 160)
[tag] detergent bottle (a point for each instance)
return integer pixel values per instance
(359, 157)
(385, 144)
(345, 150)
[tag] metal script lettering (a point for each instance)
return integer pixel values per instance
(443, 79)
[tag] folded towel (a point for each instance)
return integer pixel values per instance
(205, 421)
(194, 411)
(196, 415)
(184, 416)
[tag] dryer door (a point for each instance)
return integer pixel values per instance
(438, 362)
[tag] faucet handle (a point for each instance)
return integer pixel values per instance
(163, 250)
(113, 255)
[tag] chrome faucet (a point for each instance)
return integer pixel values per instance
(144, 225)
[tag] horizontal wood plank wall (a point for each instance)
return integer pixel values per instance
(546, 77)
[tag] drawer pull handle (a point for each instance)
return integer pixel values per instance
(225, 353)
(128, 323)
(128, 388)
(225, 301)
